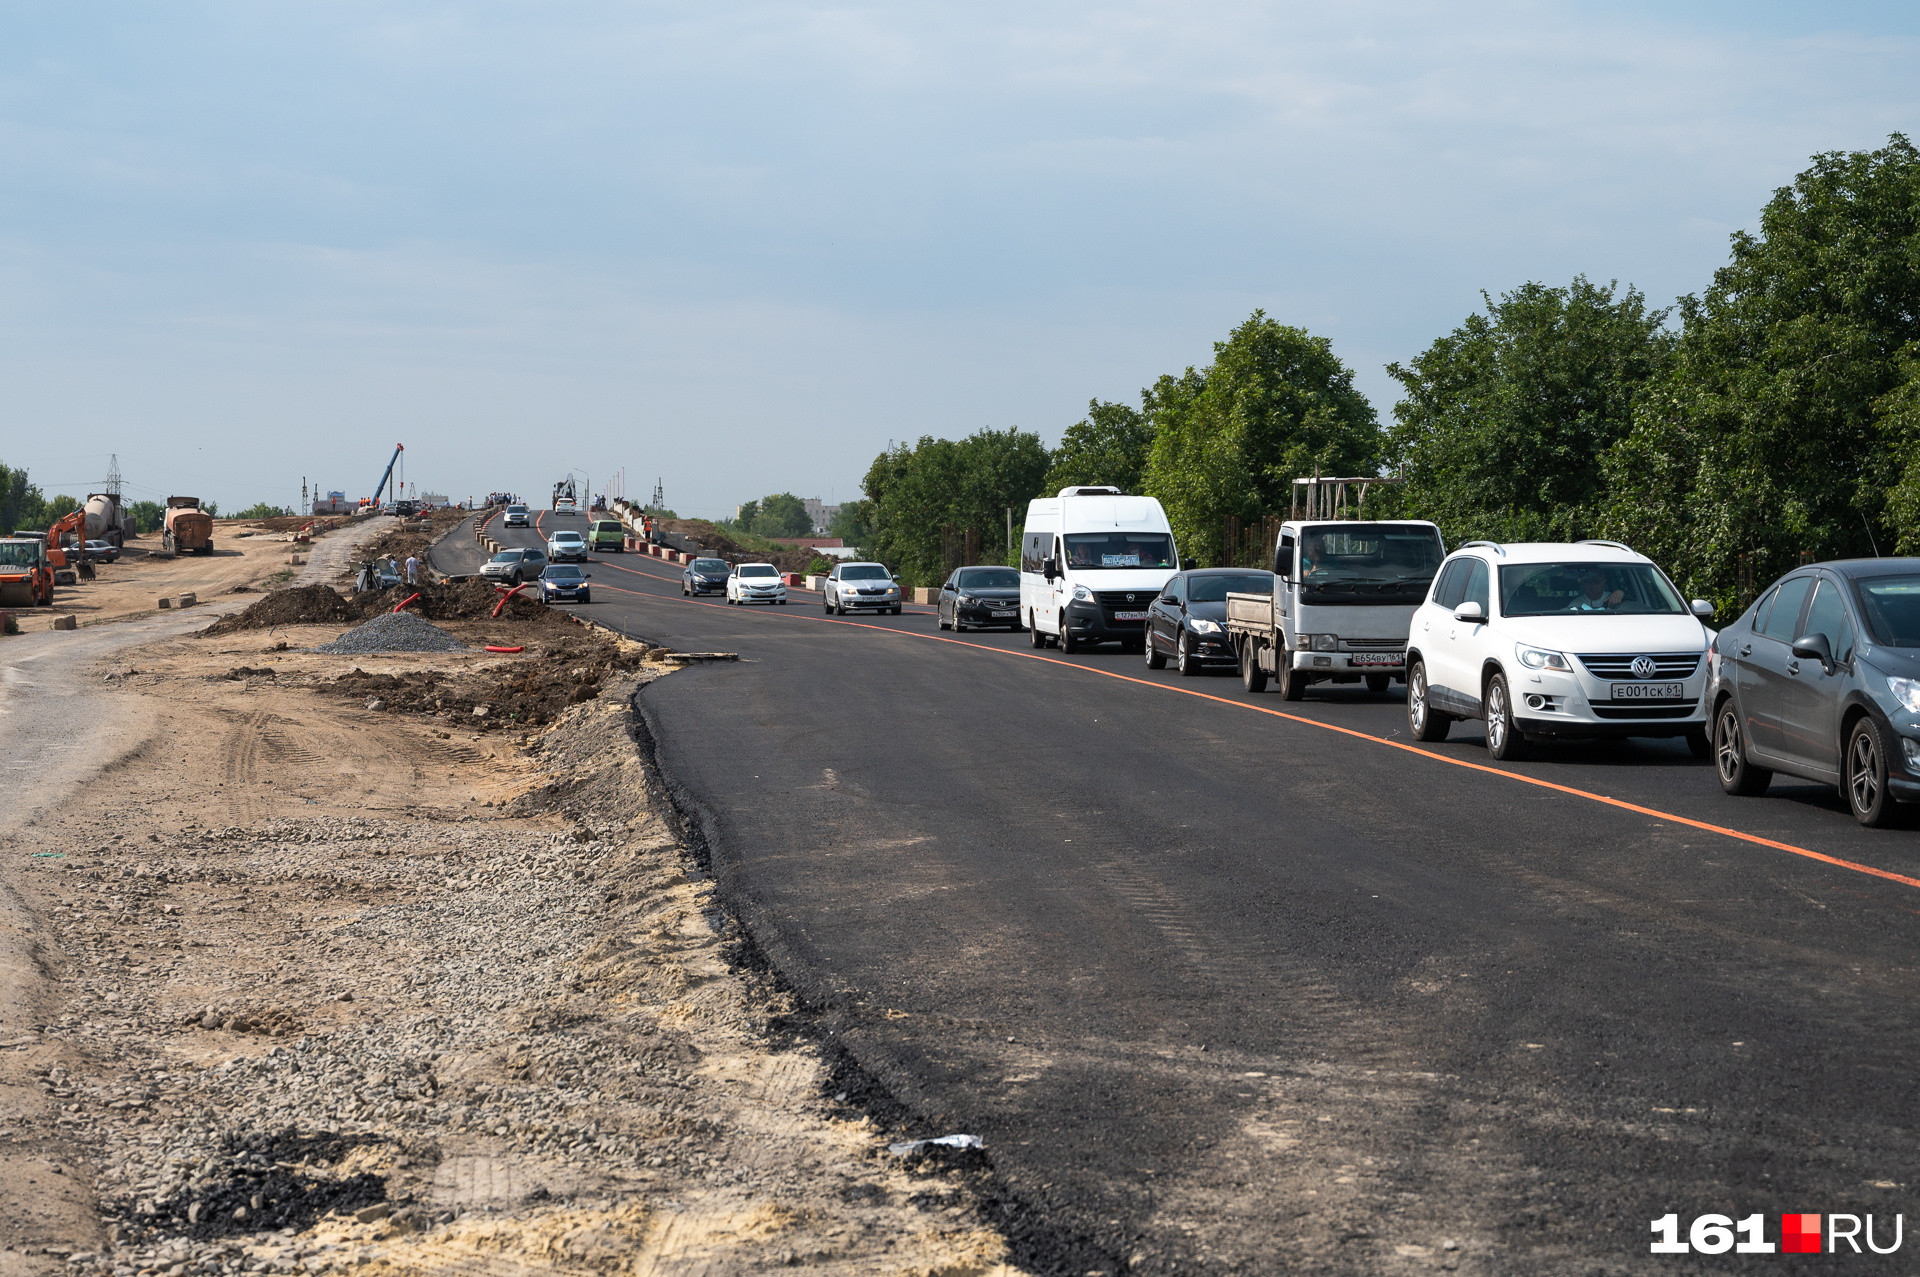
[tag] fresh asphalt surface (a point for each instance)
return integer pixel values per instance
(1223, 989)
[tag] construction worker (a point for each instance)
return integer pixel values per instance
(413, 570)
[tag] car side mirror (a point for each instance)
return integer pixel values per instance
(1050, 568)
(1189, 563)
(1814, 647)
(1470, 611)
(1702, 609)
(586, 576)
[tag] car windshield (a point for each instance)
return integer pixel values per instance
(516, 509)
(507, 556)
(990, 579)
(1368, 562)
(868, 572)
(563, 572)
(1551, 589)
(566, 536)
(1087, 550)
(759, 569)
(709, 565)
(20, 556)
(1892, 608)
(1214, 589)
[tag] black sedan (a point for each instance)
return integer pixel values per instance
(975, 598)
(565, 583)
(1820, 679)
(705, 576)
(1189, 618)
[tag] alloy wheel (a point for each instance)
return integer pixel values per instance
(1863, 772)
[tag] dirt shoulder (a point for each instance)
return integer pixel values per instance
(322, 986)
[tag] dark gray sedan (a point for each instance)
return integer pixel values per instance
(705, 576)
(1820, 679)
(974, 598)
(1188, 619)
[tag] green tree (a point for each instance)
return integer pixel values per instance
(781, 515)
(1506, 419)
(212, 509)
(1786, 422)
(1109, 445)
(913, 493)
(21, 504)
(147, 515)
(1276, 404)
(743, 517)
(850, 523)
(61, 506)
(263, 510)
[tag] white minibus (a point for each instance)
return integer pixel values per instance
(1091, 562)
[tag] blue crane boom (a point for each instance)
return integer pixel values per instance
(398, 448)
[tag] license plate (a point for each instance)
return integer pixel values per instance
(1129, 616)
(1648, 691)
(1008, 612)
(1378, 658)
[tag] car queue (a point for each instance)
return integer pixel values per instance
(1539, 642)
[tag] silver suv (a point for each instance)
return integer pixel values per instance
(515, 566)
(860, 587)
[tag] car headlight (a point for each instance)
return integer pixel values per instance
(1539, 658)
(1202, 626)
(1326, 642)
(1907, 692)
(1082, 594)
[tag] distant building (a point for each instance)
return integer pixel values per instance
(822, 515)
(435, 499)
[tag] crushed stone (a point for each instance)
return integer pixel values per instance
(393, 632)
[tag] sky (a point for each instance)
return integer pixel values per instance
(739, 248)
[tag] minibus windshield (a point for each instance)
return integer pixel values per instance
(1096, 550)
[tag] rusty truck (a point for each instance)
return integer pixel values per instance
(188, 527)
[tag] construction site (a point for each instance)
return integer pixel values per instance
(355, 931)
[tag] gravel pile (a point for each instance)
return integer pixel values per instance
(394, 632)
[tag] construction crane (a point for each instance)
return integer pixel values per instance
(398, 448)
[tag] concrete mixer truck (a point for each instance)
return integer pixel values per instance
(108, 520)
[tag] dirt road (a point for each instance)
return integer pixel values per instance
(298, 983)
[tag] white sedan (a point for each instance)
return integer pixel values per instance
(567, 547)
(756, 583)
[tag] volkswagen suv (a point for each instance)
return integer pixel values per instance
(1546, 641)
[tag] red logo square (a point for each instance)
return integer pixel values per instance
(1800, 1234)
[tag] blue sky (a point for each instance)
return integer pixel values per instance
(740, 247)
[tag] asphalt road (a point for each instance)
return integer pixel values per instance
(1229, 984)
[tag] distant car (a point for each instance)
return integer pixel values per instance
(705, 576)
(1820, 679)
(1188, 618)
(756, 583)
(518, 516)
(564, 505)
(102, 551)
(856, 587)
(565, 583)
(515, 566)
(974, 598)
(567, 547)
(608, 534)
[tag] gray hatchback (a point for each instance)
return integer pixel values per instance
(1820, 679)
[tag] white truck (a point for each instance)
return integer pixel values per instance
(1341, 606)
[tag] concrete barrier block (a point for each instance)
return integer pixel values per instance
(66, 622)
(296, 559)
(927, 595)
(816, 583)
(188, 600)
(793, 579)
(164, 604)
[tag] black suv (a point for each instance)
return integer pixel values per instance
(1820, 679)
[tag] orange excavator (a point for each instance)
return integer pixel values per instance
(73, 560)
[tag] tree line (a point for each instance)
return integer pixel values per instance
(1771, 418)
(24, 507)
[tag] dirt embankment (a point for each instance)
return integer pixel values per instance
(336, 989)
(713, 541)
(413, 536)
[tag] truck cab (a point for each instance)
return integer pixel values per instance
(1344, 596)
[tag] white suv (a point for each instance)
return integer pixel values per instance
(1555, 640)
